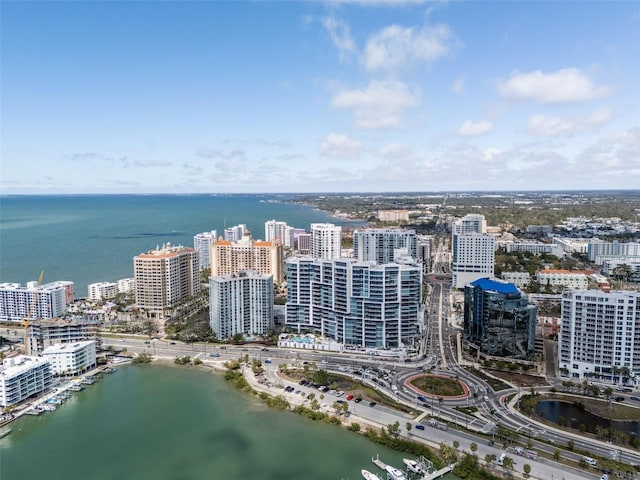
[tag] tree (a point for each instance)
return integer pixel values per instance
(526, 468)
(393, 428)
(489, 457)
(570, 445)
(556, 454)
(473, 447)
(507, 463)
(409, 426)
(456, 444)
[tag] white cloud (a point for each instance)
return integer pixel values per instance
(340, 146)
(380, 105)
(226, 153)
(566, 85)
(458, 85)
(551, 126)
(395, 151)
(614, 156)
(340, 35)
(396, 46)
(471, 128)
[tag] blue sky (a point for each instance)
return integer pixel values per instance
(223, 97)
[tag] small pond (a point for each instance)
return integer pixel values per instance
(555, 410)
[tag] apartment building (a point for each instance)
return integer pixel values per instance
(23, 376)
(393, 215)
(352, 302)
(275, 231)
(228, 258)
(380, 245)
(46, 333)
(326, 240)
(575, 279)
(241, 303)
(202, 245)
(102, 291)
(71, 358)
(165, 277)
(45, 301)
(600, 334)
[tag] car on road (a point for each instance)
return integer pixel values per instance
(172, 343)
(619, 399)
(420, 427)
(422, 398)
(637, 399)
(358, 400)
(349, 397)
(214, 354)
(372, 404)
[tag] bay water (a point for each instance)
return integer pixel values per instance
(171, 423)
(93, 238)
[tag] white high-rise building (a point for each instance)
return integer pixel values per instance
(280, 232)
(241, 303)
(473, 250)
(126, 285)
(471, 223)
(46, 301)
(102, 290)
(23, 376)
(600, 334)
(326, 241)
(202, 244)
(164, 277)
(352, 302)
(236, 233)
(381, 244)
(71, 358)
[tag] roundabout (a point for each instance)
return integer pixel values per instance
(438, 386)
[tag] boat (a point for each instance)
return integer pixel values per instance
(395, 474)
(76, 388)
(89, 381)
(367, 475)
(4, 432)
(413, 465)
(48, 408)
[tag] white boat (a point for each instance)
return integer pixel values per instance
(367, 475)
(395, 474)
(4, 432)
(413, 465)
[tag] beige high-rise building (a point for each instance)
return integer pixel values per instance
(164, 277)
(228, 258)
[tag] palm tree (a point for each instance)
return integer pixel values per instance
(507, 463)
(526, 468)
(473, 447)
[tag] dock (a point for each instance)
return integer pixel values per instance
(379, 463)
(438, 473)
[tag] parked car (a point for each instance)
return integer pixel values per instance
(349, 397)
(420, 426)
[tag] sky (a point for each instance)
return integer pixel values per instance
(342, 96)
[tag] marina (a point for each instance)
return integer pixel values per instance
(420, 468)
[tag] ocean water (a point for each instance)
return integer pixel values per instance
(93, 238)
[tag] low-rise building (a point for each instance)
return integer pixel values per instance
(102, 290)
(574, 279)
(519, 279)
(71, 358)
(393, 215)
(23, 376)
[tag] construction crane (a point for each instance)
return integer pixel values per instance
(25, 321)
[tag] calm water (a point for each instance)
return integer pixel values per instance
(155, 422)
(553, 410)
(89, 239)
